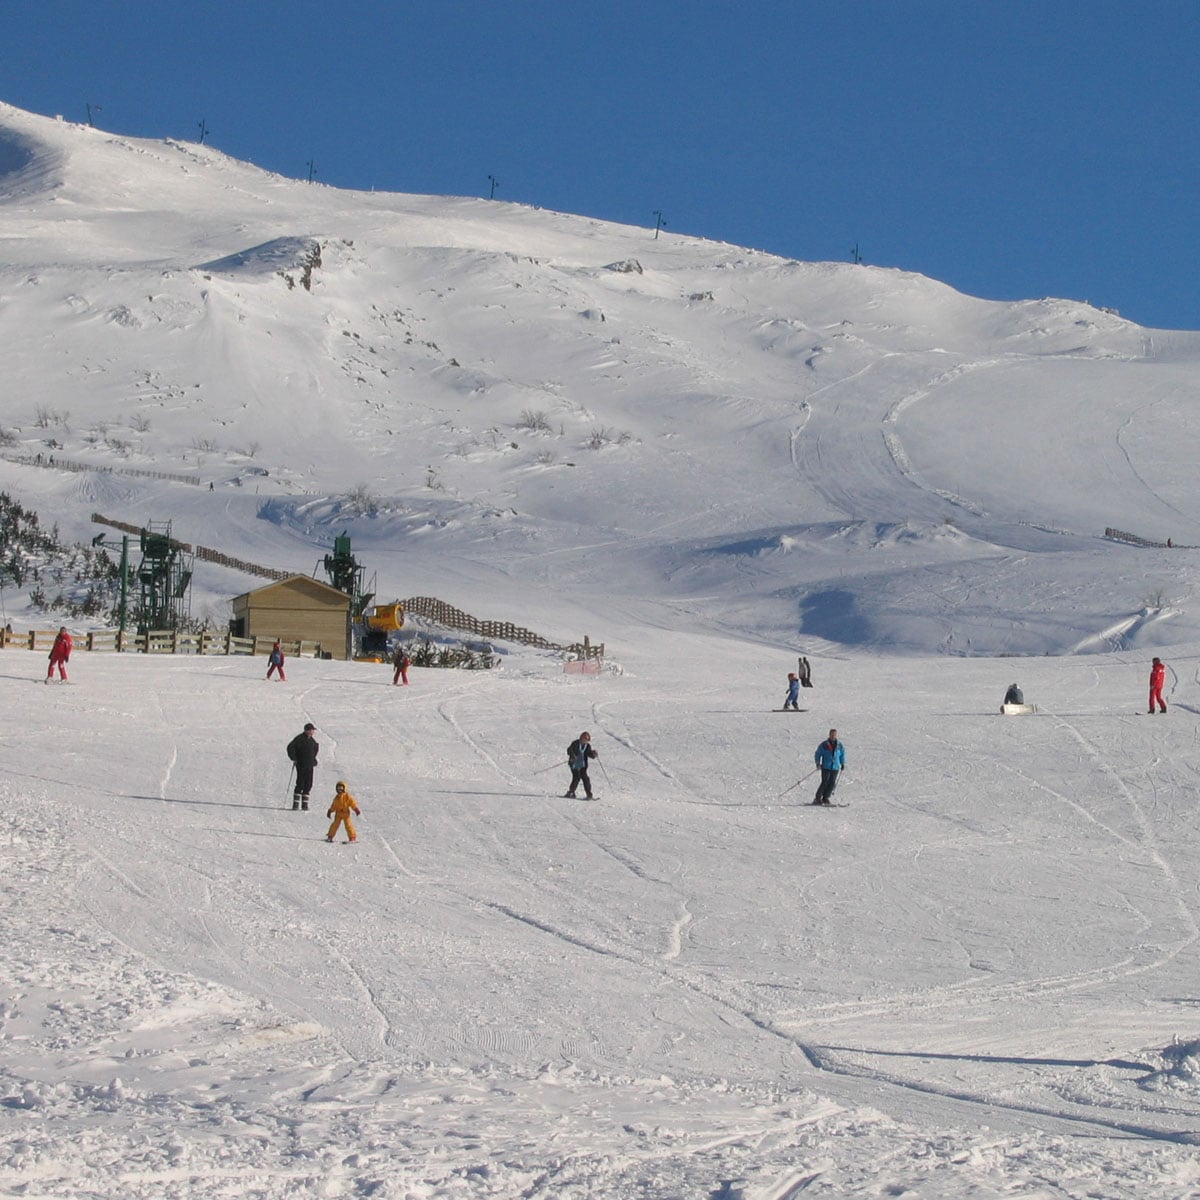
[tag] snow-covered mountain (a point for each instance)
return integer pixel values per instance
(975, 979)
(828, 452)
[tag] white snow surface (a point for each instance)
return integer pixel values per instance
(975, 977)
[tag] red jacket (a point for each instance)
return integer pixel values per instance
(1158, 675)
(61, 650)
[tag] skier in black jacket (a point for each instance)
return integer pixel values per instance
(578, 753)
(303, 750)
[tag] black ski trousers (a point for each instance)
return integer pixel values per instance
(304, 779)
(825, 788)
(580, 775)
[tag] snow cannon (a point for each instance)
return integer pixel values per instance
(385, 618)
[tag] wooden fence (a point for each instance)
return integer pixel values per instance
(1119, 535)
(159, 641)
(450, 617)
(58, 463)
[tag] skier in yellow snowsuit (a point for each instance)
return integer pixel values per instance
(340, 809)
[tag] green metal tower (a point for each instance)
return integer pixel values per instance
(347, 574)
(164, 578)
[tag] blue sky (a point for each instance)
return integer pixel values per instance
(1011, 148)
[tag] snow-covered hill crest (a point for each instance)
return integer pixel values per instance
(174, 309)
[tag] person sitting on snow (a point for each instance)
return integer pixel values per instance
(1014, 695)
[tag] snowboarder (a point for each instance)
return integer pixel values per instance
(1158, 676)
(1014, 695)
(403, 662)
(60, 652)
(792, 699)
(303, 750)
(578, 753)
(831, 758)
(340, 808)
(275, 662)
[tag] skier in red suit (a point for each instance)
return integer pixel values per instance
(59, 653)
(1158, 675)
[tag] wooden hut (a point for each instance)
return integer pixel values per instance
(296, 609)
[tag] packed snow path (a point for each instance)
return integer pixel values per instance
(697, 984)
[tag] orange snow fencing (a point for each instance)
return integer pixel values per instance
(588, 667)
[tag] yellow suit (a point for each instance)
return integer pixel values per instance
(340, 809)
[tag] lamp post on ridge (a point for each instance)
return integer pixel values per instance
(660, 222)
(495, 184)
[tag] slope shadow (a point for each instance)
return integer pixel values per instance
(1013, 1060)
(281, 807)
(834, 615)
(468, 792)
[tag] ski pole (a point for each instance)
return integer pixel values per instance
(551, 767)
(291, 774)
(603, 771)
(798, 782)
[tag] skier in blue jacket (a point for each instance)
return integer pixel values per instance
(831, 758)
(792, 699)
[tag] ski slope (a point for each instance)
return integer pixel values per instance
(976, 978)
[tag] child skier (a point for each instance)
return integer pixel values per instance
(792, 699)
(275, 662)
(60, 652)
(402, 663)
(340, 809)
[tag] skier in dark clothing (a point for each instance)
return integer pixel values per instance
(578, 753)
(831, 758)
(1014, 695)
(303, 750)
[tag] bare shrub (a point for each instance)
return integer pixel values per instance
(536, 421)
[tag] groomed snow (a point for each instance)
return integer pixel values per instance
(974, 978)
